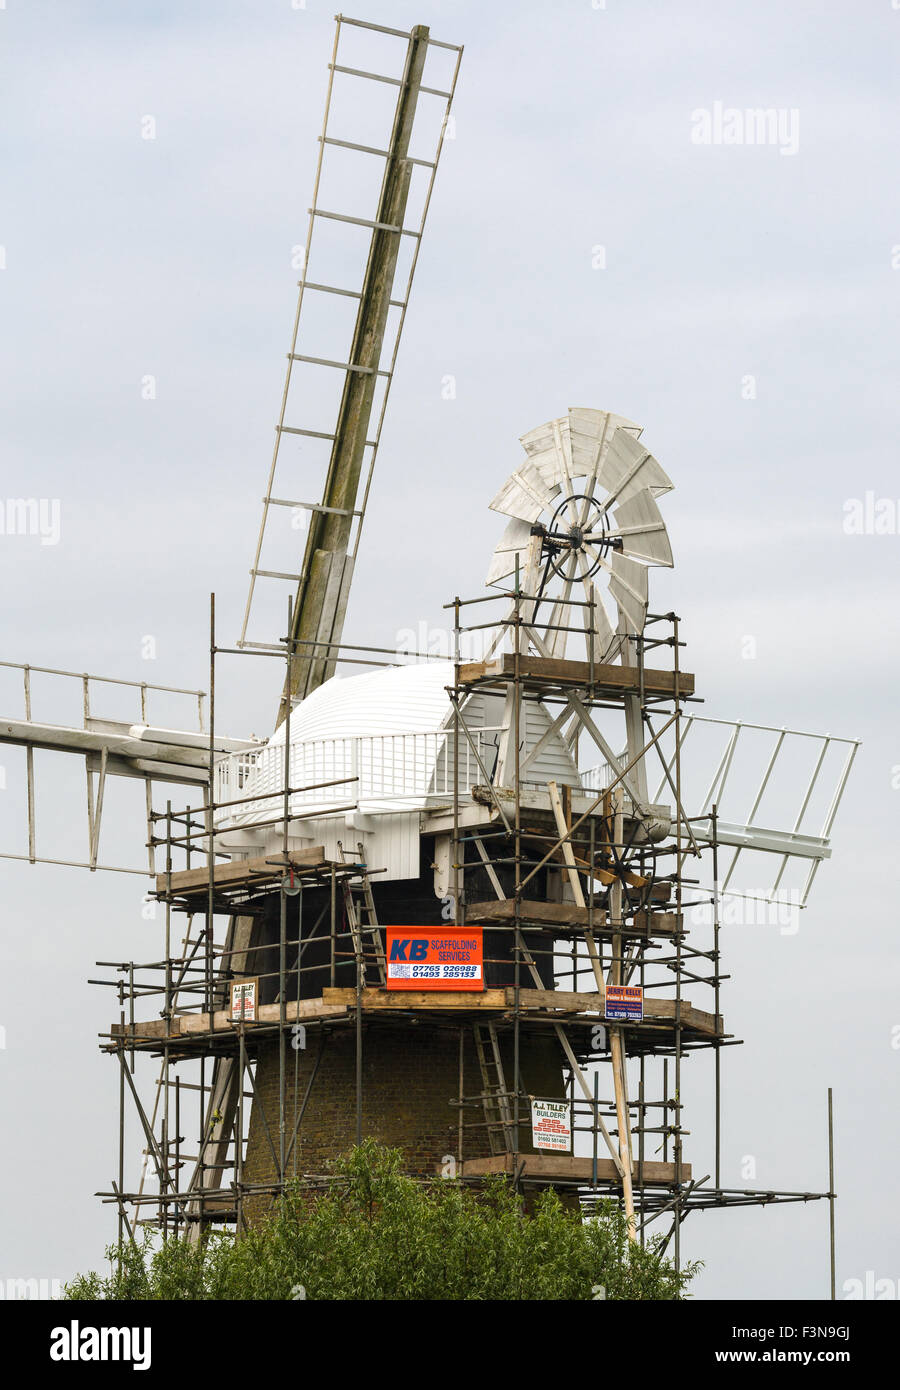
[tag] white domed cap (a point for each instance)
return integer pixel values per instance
(393, 700)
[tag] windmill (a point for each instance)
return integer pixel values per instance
(416, 911)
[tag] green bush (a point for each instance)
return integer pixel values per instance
(377, 1234)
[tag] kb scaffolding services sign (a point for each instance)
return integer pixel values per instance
(435, 958)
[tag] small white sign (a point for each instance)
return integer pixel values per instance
(244, 999)
(550, 1125)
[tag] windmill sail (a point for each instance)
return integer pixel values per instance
(321, 581)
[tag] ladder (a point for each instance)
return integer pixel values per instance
(494, 1096)
(362, 917)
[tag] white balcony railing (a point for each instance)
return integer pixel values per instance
(385, 771)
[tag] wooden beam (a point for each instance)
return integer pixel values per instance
(569, 1001)
(240, 872)
(567, 915)
(379, 1000)
(608, 679)
(430, 999)
(189, 1025)
(572, 1168)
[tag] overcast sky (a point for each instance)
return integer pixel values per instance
(583, 248)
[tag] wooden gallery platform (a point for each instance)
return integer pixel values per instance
(238, 882)
(606, 682)
(565, 918)
(189, 1034)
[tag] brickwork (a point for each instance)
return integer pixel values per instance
(410, 1078)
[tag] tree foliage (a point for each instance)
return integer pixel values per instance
(377, 1234)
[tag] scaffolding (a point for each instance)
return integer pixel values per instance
(591, 889)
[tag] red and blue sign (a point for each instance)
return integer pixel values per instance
(435, 958)
(624, 1003)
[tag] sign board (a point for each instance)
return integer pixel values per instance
(435, 958)
(550, 1125)
(245, 1000)
(624, 1003)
